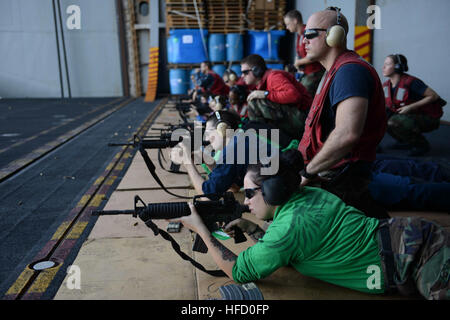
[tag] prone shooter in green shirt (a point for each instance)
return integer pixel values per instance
(320, 236)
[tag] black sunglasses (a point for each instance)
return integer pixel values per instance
(250, 193)
(312, 33)
(246, 71)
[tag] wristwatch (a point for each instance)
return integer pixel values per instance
(266, 93)
(307, 175)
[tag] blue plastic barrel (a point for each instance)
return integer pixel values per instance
(179, 81)
(219, 69)
(236, 68)
(235, 47)
(216, 47)
(186, 46)
(266, 44)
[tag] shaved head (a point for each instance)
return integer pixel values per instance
(327, 42)
(325, 19)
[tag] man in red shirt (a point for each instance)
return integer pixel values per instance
(278, 99)
(312, 70)
(211, 82)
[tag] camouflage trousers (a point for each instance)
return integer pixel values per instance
(421, 257)
(311, 81)
(288, 118)
(408, 128)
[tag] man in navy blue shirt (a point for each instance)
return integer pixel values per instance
(347, 119)
(351, 80)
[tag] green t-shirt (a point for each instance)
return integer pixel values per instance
(320, 236)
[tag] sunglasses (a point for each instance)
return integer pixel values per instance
(250, 193)
(312, 33)
(245, 72)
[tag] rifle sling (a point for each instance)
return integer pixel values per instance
(151, 168)
(215, 273)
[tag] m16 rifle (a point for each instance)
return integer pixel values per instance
(165, 141)
(223, 209)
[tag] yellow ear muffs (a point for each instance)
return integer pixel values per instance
(218, 105)
(232, 77)
(222, 129)
(335, 36)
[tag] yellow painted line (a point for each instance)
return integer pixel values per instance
(43, 280)
(20, 282)
(99, 180)
(120, 166)
(60, 231)
(97, 200)
(77, 230)
(45, 277)
(74, 233)
(84, 199)
(126, 155)
(110, 180)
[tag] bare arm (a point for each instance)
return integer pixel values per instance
(301, 62)
(196, 178)
(429, 96)
(222, 256)
(351, 116)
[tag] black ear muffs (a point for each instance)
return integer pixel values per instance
(258, 72)
(398, 66)
(241, 92)
(336, 33)
(275, 191)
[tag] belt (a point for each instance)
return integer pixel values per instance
(387, 254)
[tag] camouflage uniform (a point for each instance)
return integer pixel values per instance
(408, 128)
(311, 81)
(288, 118)
(421, 257)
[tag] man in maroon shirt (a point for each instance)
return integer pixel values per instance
(278, 99)
(211, 82)
(312, 70)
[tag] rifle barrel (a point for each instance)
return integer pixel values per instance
(120, 144)
(111, 212)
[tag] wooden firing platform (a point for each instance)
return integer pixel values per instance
(122, 259)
